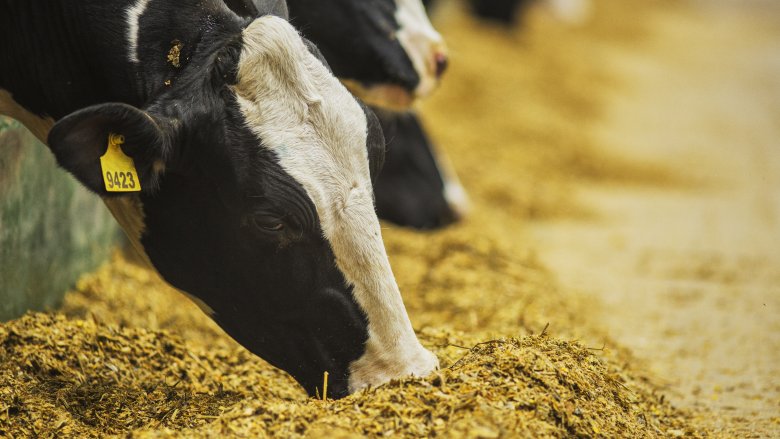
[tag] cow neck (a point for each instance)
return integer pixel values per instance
(61, 56)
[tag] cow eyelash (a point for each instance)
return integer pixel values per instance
(272, 222)
(268, 223)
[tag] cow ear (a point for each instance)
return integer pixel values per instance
(80, 139)
(375, 142)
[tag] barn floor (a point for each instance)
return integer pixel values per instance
(689, 274)
(618, 276)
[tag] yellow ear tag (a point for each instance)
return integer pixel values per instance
(119, 172)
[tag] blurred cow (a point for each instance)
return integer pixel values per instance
(388, 53)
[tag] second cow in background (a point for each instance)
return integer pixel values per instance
(388, 54)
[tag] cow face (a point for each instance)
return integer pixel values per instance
(257, 200)
(386, 51)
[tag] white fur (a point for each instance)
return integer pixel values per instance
(421, 42)
(454, 193)
(318, 131)
(133, 16)
(571, 11)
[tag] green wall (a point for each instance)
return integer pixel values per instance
(51, 229)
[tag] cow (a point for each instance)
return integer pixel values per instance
(236, 163)
(508, 12)
(388, 53)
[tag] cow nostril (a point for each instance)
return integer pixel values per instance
(441, 63)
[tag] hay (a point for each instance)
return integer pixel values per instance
(174, 55)
(82, 375)
(80, 378)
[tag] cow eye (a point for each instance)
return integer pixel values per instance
(268, 223)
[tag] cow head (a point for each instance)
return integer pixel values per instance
(386, 51)
(255, 168)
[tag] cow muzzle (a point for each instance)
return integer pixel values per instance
(430, 59)
(381, 364)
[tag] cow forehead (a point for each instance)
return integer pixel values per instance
(301, 112)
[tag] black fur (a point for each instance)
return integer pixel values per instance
(357, 38)
(252, 8)
(410, 189)
(506, 12)
(50, 81)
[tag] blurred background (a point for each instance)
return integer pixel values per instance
(636, 145)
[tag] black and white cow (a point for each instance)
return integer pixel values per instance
(388, 53)
(254, 165)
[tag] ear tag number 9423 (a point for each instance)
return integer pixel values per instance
(119, 173)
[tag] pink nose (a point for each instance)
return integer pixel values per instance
(440, 59)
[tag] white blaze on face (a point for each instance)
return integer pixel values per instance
(318, 131)
(421, 42)
(454, 192)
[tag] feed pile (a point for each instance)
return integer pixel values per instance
(80, 378)
(128, 356)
